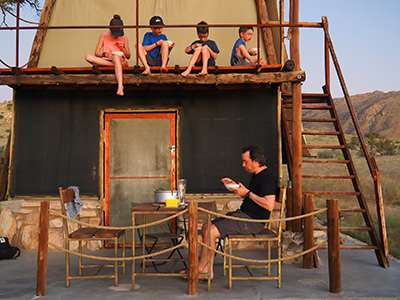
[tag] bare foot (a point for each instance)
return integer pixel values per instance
(146, 71)
(120, 91)
(163, 70)
(202, 73)
(185, 73)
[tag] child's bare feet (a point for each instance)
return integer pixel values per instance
(185, 73)
(202, 73)
(120, 91)
(146, 71)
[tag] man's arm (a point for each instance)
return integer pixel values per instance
(267, 202)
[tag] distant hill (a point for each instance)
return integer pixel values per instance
(376, 111)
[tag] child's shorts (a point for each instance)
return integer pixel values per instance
(240, 61)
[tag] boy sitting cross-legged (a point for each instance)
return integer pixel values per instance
(240, 55)
(204, 51)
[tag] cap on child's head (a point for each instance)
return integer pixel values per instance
(116, 21)
(156, 21)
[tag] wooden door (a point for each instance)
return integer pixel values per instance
(140, 156)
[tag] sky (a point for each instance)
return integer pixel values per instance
(364, 35)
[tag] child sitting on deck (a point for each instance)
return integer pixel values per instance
(204, 51)
(240, 55)
(112, 50)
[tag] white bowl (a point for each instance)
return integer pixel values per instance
(255, 50)
(170, 43)
(230, 186)
(199, 47)
(120, 53)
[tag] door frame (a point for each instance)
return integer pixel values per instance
(105, 117)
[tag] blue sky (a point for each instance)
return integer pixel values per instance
(364, 35)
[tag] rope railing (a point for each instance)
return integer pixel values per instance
(262, 260)
(133, 227)
(261, 220)
(131, 258)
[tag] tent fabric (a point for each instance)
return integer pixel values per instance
(68, 47)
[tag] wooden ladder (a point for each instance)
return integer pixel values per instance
(330, 170)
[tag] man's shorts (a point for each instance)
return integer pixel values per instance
(228, 226)
(240, 61)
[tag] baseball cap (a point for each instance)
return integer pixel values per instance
(116, 21)
(156, 21)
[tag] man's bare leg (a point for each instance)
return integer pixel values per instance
(203, 261)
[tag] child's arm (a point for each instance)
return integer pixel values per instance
(244, 53)
(99, 46)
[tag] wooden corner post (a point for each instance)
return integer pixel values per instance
(308, 259)
(193, 285)
(297, 150)
(42, 251)
(335, 285)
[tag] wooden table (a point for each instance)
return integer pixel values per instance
(146, 209)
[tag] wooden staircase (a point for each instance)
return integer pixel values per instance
(327, 173)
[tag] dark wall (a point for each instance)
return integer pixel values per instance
(57, 135)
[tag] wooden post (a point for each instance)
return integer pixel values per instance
(193, 285)
(133, 252)
(327, 64)
(296, 120)
(334, 246)
(289, 211)
(381, 214)
(308, 259)
(42, 251)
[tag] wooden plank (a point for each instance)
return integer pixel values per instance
(153, 79)
(267, 32)
(40, 34)
(308, 259)
(334, 246)
(42, 251)
(193, 284)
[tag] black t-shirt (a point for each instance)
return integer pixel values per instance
(261, 184)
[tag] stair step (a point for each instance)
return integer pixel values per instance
(319, 132)
(307, 96)
(323, 146)
(325, 161)
(329, 176)
(318, 107)
(353, 210)
(332, 193)
(314, 119)
(324, 228)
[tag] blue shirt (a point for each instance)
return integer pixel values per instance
(149, 39)
(237, 44)
(212, 45)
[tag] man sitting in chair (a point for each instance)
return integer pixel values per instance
(258, 203)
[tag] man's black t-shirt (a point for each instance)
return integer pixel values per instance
(261, 184)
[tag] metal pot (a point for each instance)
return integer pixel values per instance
(160, 196)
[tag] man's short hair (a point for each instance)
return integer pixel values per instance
(243, 29)
(257, 154)
(202, 29)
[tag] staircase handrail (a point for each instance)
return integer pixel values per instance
(373, 167)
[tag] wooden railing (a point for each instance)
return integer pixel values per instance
(373, 167)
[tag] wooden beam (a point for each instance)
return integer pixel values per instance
(4, 171)
(153, 79)
(267, 33)
(42, 251)
(40, 34)
(193, 285)
(308, 259)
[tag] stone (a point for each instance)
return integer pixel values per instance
(8, 224)
(29, 237)
(56, 238)
(94, 245)
(56, 222)
(233, 205)
(88, 213)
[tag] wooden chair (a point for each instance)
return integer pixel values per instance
(89, 234)
(269, 236)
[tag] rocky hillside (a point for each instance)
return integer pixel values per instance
(376, 111)
(5, 123)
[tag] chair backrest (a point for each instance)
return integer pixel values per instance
(66, 195)
(282, 200)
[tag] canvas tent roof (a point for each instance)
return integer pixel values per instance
(68, 47)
